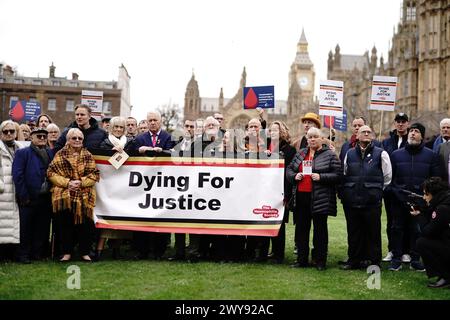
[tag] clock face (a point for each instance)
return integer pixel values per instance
(303, 81)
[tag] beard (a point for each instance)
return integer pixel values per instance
(414, 142)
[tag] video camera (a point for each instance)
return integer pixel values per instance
(414, 200)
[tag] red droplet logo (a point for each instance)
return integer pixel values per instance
(17, 112)
(251, 100)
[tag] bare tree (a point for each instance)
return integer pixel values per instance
(171, 115)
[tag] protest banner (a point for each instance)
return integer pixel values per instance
(331, 98)
(94, 99)
(338, 123)
(23, 110)
(384, 90)
(198, 195)
(259, 97)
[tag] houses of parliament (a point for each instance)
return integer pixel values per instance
(419, 56)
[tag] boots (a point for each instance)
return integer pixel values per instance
(97, 255)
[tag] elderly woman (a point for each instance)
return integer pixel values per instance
(9, 211)
(73, 174)
(43, 120)
(314, 173)
(118, 141)
(26, 131)
(53, 135)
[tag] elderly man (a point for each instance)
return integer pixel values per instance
(367, 171)
(411, 166)
(444, 136)
(158, 141)
(210, 141)
(29, 172)
(155, 139)
(93, 135)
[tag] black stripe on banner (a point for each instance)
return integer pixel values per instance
(208, 221)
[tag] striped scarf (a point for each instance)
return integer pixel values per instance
(67, 165)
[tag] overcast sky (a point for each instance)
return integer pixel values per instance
(161, 42)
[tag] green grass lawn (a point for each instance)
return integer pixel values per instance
(110, 279)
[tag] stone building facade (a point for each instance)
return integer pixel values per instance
(300, 97)
(58, 95)
(419, 56)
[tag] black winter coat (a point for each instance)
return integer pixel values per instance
(323, 195)
(435, 224)
(93, 136)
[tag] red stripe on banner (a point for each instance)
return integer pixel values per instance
(384, 84)
(190, 164)
(216, 231)
(91, 98)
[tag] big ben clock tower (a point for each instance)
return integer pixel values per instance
(301, 85)
(302, 70)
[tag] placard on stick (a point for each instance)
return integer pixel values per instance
(331, 98)
(384, 90)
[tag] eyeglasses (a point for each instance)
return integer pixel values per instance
(41, 136)
(366, 132)
(52, 132)
(218, 118)
(77, 138)
(9, 131)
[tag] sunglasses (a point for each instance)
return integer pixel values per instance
(77, 138)
(188, 126)
(41, 136)
(9, 131)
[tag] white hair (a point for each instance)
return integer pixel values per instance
(444, 121)
(313, 131)
(158, 115)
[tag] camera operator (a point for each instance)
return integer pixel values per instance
(434, 243)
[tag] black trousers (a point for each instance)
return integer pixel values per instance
(35, 228)
(235, 248)
(151, 241)
(435, 254)
(72, 233)
(304, 220)
(180, 245)
(389, 202)
(363, 234)
(403, 223)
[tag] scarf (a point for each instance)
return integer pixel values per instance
(42, 154)
(118, 142)
(67, 165)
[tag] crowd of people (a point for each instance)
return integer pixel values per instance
(48, 177)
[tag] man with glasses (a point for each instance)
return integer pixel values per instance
(93, 134)
(29, 172)
(367, 171)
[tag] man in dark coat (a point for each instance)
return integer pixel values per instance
(93, 135)
(411, 166)
(33, 194)
(156, 141)
(397, 140)
(367, 171)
